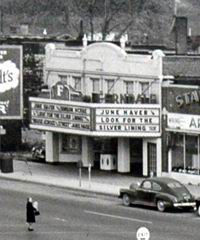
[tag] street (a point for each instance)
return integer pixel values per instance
(70, 215)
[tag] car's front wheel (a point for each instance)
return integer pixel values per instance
(160, 205)
(126, 200)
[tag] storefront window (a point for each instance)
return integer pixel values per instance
(71, 144)
(185, 156)
(191, 147)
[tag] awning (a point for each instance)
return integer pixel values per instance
(177, 130)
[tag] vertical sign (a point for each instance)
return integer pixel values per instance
(11, 103)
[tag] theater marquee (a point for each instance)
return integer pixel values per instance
(134, 120)
(94, 120)
(11, 102)
(59, 116)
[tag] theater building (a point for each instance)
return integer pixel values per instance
(102, 106)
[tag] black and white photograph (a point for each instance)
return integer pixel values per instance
(99, 119)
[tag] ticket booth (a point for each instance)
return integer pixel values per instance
(108, 162)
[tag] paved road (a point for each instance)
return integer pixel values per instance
(68, 215)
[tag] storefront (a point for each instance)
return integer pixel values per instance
(183, 133)
(103, 108)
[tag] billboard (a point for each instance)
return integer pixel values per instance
(11, 91)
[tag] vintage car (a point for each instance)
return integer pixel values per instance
(160, 192)
(38, 152)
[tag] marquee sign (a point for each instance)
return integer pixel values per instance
(59, 116)
(94, 119)
(11, 82)
(133, 120)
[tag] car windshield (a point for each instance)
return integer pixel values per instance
(174, 185)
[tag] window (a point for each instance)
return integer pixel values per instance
(156, 187)
(152, 156)
(77, 83)
(174, 185)
(128, 87)
(185, 153)
(95, 85)
(71, 144)
(146, 185)
(110, 86)
(145, 88)
(63, 78)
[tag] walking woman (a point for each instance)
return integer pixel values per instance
(30, 214)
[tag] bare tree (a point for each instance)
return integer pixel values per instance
(104, 16)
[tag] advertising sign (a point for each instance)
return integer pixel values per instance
(11, 103)
(128, 120)
(92, 119)
(183, 121)
(59, 116)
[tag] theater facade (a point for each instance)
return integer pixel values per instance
(102, 106)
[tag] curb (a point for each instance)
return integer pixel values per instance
(73, 190)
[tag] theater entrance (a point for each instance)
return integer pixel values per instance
(136, 156)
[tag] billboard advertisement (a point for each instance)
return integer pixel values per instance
(11, 91)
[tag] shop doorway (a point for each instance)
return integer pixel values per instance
(152, 156)
(136, 156)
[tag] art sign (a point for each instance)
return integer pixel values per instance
(183, 121)
(11, 103)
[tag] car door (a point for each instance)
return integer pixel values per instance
(156, 188)
(144, 192)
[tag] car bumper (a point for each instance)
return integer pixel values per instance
(185, 204)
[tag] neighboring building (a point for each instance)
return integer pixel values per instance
(181, 132)
(180, 126)
(103, 107)
(180, 108)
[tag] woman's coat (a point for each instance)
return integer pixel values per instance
(30, 213)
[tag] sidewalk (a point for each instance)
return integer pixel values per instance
(67, 175)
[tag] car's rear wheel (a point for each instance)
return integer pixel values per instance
(160, 205)
(126, 200)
